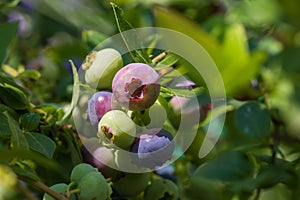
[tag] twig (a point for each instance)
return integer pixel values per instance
(26, 192)
(44, 188)
(258, 190)
(159, 57)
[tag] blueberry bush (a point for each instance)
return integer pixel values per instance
(85, 115)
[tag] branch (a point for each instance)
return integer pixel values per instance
(44, 188)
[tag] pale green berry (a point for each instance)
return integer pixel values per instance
(116, 128)
(101, 66)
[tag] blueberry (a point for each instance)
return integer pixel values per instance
(152, 148)
(80, 171)
(136, 86)
(179, 110)
(101, 66)
(116, 128)
(98, 156)
(99, 104)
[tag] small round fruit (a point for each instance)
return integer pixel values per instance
(132, 184)
(115, 127)
(60, 188)
(161, 189)
(152, 148)
(179, 110)
(93, 186)
(136, 86)
(101, 66)
(99, 104)
(80, 171)
(98, 156)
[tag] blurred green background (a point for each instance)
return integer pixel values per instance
(255, 44)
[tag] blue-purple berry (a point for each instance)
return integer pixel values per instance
(152, 148)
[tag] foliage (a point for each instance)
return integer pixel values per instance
(255, 45)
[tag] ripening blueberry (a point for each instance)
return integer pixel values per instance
(98, 156)
(99, 104)
(179, 110)
(136, 86)
(152, 148)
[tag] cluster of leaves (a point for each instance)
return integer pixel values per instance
(255, 45)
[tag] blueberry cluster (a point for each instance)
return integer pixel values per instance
(87, 183)
(126, 92)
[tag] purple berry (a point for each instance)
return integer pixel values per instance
(152, 148)
(136, 86)
(99, 104)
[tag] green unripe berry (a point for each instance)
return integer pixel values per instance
(93, 186)
(161, 189)
(115, 127)
(60, 188)
(101, 66)
(132, 184)
(80, 171)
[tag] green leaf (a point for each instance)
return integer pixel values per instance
(13, 97)
(253, 120)
(24, 170)
(208, 189)
(10, 111)
(236, 59)
(7, 31)
(72, 146)
(32, 74)
(30, 121)
(131, 40)
(4, 126)
(75, 96)
(232, 57)
(6, 155)
(273, 175)
(4, 79)
(168, 61)
(92, 38)
(228, 166)
(18, 139)
(175, 21)
(41, 143)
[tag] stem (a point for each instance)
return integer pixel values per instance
(159, 57)
(276, 141)
(44, 188)
(26, 192)
(73, 192)
(257, 194)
